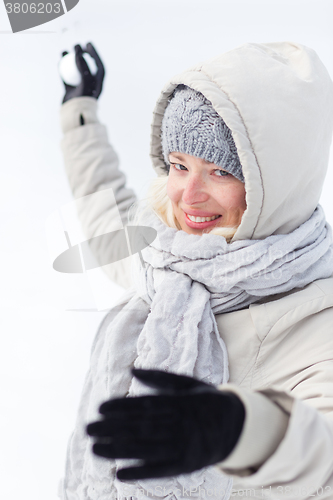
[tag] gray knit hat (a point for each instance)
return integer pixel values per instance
(190, 125)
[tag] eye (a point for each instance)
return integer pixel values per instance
(175, 165)
(224, 173)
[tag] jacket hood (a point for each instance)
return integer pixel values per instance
(277, 100)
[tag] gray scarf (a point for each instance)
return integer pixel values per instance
(168, 322)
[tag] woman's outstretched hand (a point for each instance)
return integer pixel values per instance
(90, 85)
(186, 426)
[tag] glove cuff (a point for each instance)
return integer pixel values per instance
(264, 428)
(71, 111)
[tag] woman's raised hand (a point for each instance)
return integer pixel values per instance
(188, 425)
(91, 84)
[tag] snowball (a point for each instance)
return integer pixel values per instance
(68, 69)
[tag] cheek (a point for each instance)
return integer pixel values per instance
(237, 198)
(241, 201)
(173, 191)
(233, 198)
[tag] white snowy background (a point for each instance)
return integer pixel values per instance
(45, 346)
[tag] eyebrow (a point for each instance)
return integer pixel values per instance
(180, 157)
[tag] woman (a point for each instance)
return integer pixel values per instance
(241, 304)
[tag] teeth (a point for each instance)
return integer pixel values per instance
(202, 219)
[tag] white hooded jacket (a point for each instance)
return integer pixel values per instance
(280, 349)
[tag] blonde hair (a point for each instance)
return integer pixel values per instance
(158, 200)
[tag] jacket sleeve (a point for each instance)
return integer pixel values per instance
(103, 200)
(264, 427)
(286, 446)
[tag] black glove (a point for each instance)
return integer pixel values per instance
(185, 427)
(90, 85)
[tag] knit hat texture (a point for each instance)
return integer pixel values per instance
(191, 125)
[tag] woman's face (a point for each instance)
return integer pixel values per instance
(198, 188)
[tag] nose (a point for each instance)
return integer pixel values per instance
(195, 190)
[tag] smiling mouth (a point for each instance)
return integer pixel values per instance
(202, 219)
